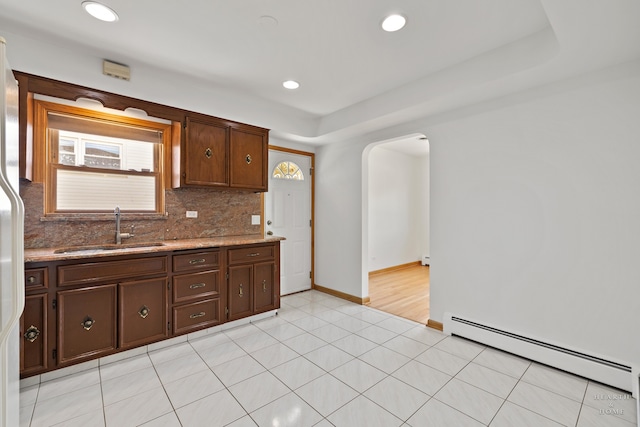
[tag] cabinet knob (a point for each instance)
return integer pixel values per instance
(144, 312)
(248, 159)
(32, 334)
(240, 292)
(31, 279)
(87, 323)
(264, 286)
(208, 153)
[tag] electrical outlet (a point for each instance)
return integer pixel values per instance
(192, 214)
(255, 219)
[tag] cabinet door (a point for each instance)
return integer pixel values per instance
(248, 159)
(86, 323)
(264, 286)
(240, 291)
(206, 154)
(33, 330)
(143, 312)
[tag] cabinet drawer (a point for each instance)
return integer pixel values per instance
(251, 254)
(196, 315)
(36, 279)
(107, 271)
(196, 261)
(196, 286)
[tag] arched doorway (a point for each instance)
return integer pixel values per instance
(396, 226)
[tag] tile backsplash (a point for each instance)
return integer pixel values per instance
(220, 213)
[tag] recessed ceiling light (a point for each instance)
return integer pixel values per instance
(393, 23)
(291, 84)
(100, 11)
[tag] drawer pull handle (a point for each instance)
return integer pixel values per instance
(87, 323)
(197, 261)
(31, 279)
(208, 153)
(254, 254)
(32, 334)
(197, 285)
(264, 286)
(240, 293)
(144, 312)
(196, 315)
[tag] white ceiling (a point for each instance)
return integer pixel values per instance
(355, 78)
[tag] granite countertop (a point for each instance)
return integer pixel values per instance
(109, 250)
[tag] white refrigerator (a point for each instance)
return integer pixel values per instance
(11, 248)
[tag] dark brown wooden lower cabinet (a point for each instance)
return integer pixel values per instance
(87, 322)
(33, 332)
(143, 312)
(252, 289)
(84, 309)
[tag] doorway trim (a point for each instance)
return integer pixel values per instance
(312, 157)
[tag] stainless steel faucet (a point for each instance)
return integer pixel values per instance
(119, 235)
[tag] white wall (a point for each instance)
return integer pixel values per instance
(535, 217)
(283, 143)
(339, 230)
(535, 201)
(397, 218)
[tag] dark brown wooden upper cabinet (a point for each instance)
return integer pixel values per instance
(221, 154)
(206, 154)
(248, 159)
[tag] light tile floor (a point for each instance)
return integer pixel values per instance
(323, 361)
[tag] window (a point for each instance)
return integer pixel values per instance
(288, 170)
(96, 161)
(75, 149)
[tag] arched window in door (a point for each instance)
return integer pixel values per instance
(288, 170)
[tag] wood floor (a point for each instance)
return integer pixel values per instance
(403, 292)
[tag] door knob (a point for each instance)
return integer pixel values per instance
(270, 233)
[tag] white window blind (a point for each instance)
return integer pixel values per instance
(90, 191)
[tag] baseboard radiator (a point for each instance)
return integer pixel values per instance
(595, 368)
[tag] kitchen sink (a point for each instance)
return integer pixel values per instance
(108, 247)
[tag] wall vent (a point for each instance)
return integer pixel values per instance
(113, 69)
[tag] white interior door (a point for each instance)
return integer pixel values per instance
(288, 214)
